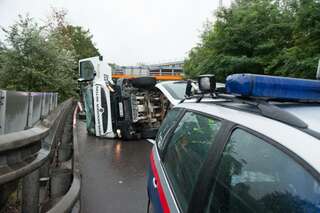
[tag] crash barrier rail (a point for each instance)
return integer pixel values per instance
(34, 158)
(70, 198)
(21, 110)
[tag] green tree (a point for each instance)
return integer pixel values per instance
(44, 58)
(32, 60)
(259, 36)
(72, 37)
(82, 41)
(301, 59)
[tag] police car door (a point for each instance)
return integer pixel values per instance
(176, 163)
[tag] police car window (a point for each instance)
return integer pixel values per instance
(187, 150)
(167, 123)
(254, 176)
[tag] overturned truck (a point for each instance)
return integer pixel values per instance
(128, 108)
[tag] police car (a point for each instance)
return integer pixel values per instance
(255, 148)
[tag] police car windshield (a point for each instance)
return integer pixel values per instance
(176, 89)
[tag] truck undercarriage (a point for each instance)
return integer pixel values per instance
(140, 108)
(128, 107)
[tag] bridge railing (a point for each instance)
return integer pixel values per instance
(36, 134)
(148, 70)
(21, 110)
(70, 198)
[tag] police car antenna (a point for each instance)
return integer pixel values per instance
(318, 71)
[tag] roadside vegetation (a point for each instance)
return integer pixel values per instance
(44, 57)
(278, 37)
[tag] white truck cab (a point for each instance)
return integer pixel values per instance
(95, 79)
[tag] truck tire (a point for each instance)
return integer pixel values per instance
(125, 132)
(149, 133)
(144, 82)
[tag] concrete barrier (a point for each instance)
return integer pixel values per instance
(24, 154)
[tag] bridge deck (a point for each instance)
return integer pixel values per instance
(113, 174)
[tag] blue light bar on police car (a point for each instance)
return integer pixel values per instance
(250, 85)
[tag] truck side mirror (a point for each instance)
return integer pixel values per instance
(82, 80)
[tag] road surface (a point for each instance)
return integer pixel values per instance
(113, 174)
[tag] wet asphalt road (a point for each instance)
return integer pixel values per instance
(113, 174)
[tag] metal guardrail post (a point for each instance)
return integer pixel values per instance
(57, 99)
(30, 192)
(30, 112)
(41, 105)
(2, 111)
(50, 102)
(55, 103)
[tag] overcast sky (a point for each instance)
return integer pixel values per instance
(127, 31)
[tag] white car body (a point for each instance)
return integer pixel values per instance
(305, 146)
(161, 86)
(177, 94)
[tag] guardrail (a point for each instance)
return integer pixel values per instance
(21, 110)
(28, 155)
(70, 198)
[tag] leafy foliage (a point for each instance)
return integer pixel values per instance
(81, 40)
(42, 58)
(72, 37)
(260, 36)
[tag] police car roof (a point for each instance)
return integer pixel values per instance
(309, 113)
(299, 142)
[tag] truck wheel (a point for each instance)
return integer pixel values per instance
(125, 133)
(149, 133)
(144, 82)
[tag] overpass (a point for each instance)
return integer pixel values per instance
(50, 164)
(161, 71)
(39, 153)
